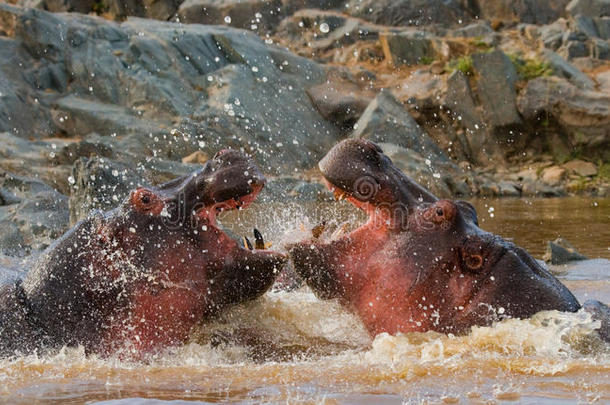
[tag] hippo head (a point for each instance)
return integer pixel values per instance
(146, 272)
(419, 263)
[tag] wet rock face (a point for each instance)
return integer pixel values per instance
(527, 11)
(32, 213)
(220, 85)
(412, 12)
(386, 120)
(583, 115)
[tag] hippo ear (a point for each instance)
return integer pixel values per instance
(468, 212)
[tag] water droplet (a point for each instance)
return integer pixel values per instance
(324, 28)
(228, 19)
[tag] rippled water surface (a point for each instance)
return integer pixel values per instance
(293, 348)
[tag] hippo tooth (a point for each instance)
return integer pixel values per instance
(317, 230)
(259, 242)
(247, 243)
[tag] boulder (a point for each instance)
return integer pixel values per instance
(551, 35)
(100, 184)
(256, 15)
(602, 25)
(582, 116)
(581, 168)
(339, 103)
(589, 8)
(565, 69)
(600, 49)
(553, 175)
(412, 12)
(496, 89)
(324, 30)
(525, 11)
(460, 101)
(387, 120)
(574, 49)
(409, 48)
(11, 239)
(443, 178)
(41, 215)
(152, 88)
(560, 251)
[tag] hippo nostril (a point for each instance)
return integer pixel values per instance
(146, 199)
(473, 262)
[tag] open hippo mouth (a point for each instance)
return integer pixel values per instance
(419, 263)
(229, 181)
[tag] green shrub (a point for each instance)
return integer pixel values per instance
(529, 69)
(463, 64)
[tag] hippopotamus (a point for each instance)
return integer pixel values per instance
(420, 263)
(137, 278)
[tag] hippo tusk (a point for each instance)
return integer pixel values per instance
(259, 242)
(317, 230)
(247, 243)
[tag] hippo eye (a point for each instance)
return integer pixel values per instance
(439, 212)
(146, 201)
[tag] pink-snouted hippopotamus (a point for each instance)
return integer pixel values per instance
(420, 263)
(137, 279)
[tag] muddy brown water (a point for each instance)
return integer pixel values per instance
(310, 351)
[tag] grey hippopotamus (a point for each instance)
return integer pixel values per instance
(139, 277)
(420, 263)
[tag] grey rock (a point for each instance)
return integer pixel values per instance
(599, 312)
(79, 6)
(585, 25)
(560, 251)
(477, 29)
(440, 176)
(565, 69)
(537, 189)
(412, 12)
(100, 184)
(527, 11)
(574, 49)
(551, 35)
(42, 213)
(259, 15)
(601, 49)
(496, 88)
(11, 240)
(387, 120)
(408, 48)
(290, 6)
(583, 116)
(602, 24)
(460, 101)
(509, 189)
(218, 85)
(590, 8)
(339, 104)
(303, 27)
